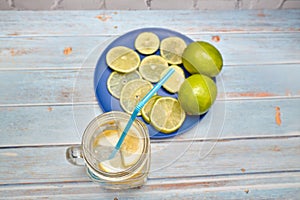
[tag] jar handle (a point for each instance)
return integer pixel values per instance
(74, 155)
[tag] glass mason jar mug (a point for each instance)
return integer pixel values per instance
(130, 167)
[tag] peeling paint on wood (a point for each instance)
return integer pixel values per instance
(215, 38)
(277, 115)
(68, 50)
(250, 94)
(103, 17)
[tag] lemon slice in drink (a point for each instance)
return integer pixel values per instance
(147, 43)
(122, 59)
(146, 110)
(117, 80)
(106, 138)
(152, 66)
(128, 155)
(167, 115)
(103, 145)
(176, 79)
(171, 48)
(132, 93)
(131, 149)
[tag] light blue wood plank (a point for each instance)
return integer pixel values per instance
(227, 157)
(236, 49)
(46, 52)
(118, 22)
(48, 164)
(41, 86)
(74, 86)
(44, 125)
(271, 186)
(261, 81)
(56, 125)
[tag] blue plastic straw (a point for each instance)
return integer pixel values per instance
(138, 108)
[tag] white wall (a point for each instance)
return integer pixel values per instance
(147, 4)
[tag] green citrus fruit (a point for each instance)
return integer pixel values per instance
(146, 110)
(167, 115)
(122, 59)
(117, 80)
(203, 58)
(147, 43)
(152, 66)
(173, 84)
(197, 94)
(171, 48)
(132, 93)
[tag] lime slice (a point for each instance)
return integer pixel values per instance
(152, 66)
(122, 59)
(147, 43)
(116, 81)
(176, 79)
(171, 48)
(167, 115)
(146, 110)
(132, 93)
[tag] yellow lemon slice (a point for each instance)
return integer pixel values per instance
(147, 43)
(167, 115)
(171, 48)
(132, 93)
(152, 66)
(103, 145)
(131, 149)
(122, 59)
(117, 80)
(176, 79)
(106, 138)
(146, 110)
(128, 155)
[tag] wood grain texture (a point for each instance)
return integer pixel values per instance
(46, 52)
(194, 22)
(48, 164)
(57, 125)
(283, 185)
(76, 86)
(246, 147)
(237, 49)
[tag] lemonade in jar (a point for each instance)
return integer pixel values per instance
(129, 168)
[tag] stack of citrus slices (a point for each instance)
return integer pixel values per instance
(132, 78)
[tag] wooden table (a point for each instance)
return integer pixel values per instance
(246, 147)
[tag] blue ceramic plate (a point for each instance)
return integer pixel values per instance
(108, 103)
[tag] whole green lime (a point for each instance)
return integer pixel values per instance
(203, 58)
(197, 94)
